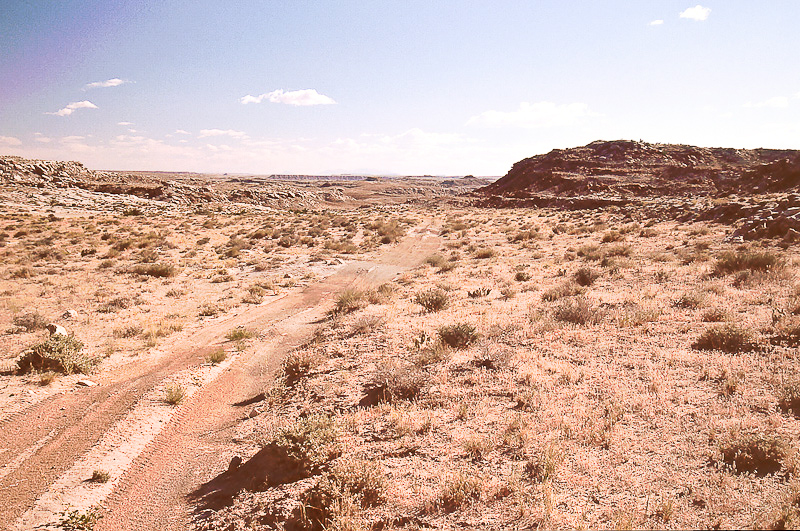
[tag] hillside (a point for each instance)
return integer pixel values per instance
(625, 168)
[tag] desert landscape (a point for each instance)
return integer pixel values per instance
(606, 337)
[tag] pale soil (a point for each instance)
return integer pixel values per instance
(629, 418)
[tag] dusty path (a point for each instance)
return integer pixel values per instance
(46, 440)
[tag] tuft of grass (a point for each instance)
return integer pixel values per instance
(742, 260)
(729, 338)
(544, 465)
(484, 253)
(565, 289)
(217, 356)
(240, 333)
(174, 394)
(574, 310)
(716, 315)
(100, 476)
(479, 292)
(30, 321)
(394, 382)
(459, 335)
(457, 491)
(433, 300)
(789, 399)
(159, 270)
(690, 301)
(296, 366)
(348, 301)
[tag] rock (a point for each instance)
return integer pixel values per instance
(86, 383)
(253, 413)
(56, 329)
(70, 315)
(236, 462)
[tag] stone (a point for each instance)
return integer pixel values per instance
(70, 315)
(235, 463)
(56, 329)
(86, 383)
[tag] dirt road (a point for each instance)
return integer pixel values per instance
(47, 441)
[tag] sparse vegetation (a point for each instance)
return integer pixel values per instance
(459, 335)
(433, 300)
(58, 353)
(174, 394)
(727, 338)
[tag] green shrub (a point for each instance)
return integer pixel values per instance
(433, 300)
(458, 336)
(729, 338)
(58, 353)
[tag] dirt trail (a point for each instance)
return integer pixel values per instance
(46, 440)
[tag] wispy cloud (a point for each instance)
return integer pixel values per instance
(697, 13)
(39, 137)
(656, 22)
(777, 102)
(124, 123)
(535, 115)
(305, 97)
(113, 82)
(181, 132)
(204, 133)
(72, 107)
(10, 141)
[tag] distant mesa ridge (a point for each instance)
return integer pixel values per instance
(626, 168)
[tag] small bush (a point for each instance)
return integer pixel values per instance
(394, 382)
(436, 260)
(458, 336)
(100, 476)
(348, 301)
(431, 354)
(752, 261)
(296, 366)
(159, 270)
(59, 353)
(585, 276)
(612, 236)
(433, 300)
(789, 399)
(565, 289)
(479, 292)
(522, 276)
(760, 454)
(31, 321)
(689, 301)
(240, 333)
(544, 465)
(484, 253)
(716, 315)
(217, 356)
(209, 310)
(310, 443)
(127, 331)
(174, 394)
(457, 491)
(574, 310)
(729, 338)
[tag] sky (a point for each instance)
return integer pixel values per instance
(402, 87)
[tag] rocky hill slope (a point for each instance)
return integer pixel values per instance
(625, 168)
(757, 190)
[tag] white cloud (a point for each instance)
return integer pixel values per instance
(535, 115)
(6, 141)
(72, 139)
(697, 13)
(114, 82)
(182, 132)
(72, 107)
(303, 97)
(124, 123)
(204, 133)
(778, 102)
(656, 22)
(43, 139)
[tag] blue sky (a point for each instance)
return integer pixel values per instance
(393, 87)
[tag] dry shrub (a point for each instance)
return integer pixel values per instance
(758, 453)
(457, 491)
(59, 353)
(585, 276)
(393, 382)
(159, 270)
(544, 465)
(484, 253)
(522, 276)
(565, 289)
(742, 260)
(240, 333)
(366, 324)
(612, 236)
(459, 335)
(690, 301)
(789, 399)
(432, 300)
(435, 353)
(347, 301)
(174, 394)
(729, 338)
(310, 443)
(31, 321)
(296, 366)
(574, 310)
(716, 315)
